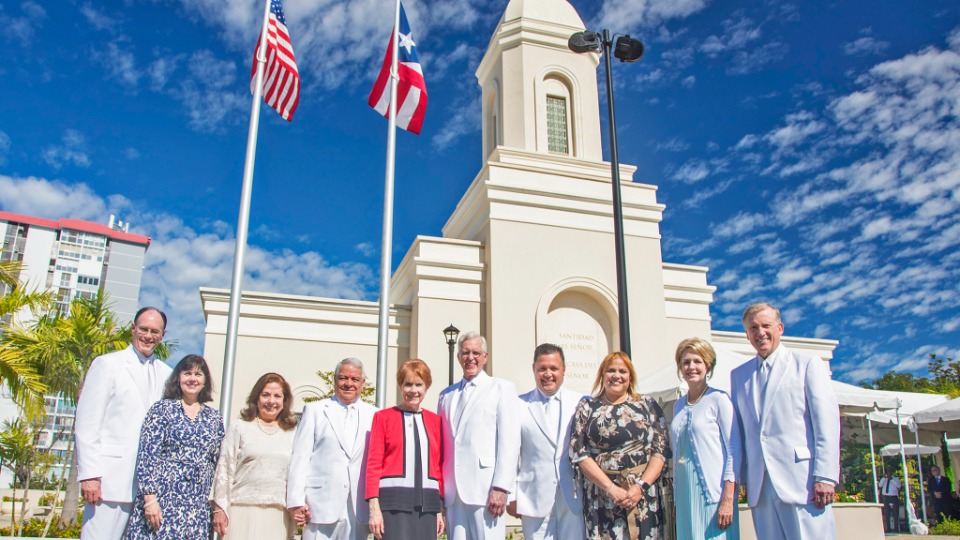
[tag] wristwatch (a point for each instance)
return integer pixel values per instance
(644, 485)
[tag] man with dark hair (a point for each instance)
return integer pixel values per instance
(548, 502)
(117, 391)
(890, 497)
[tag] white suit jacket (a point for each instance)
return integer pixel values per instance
(322, 474)
(110, 413)
(481, 450)
(544, 461)
(796, 437)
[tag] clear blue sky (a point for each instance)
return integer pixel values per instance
(807, 152)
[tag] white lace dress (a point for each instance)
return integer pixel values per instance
(251, 482)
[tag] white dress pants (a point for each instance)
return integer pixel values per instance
(559, 524)
(774, 519)
(105, 520)
(346, 528)
(470, 522)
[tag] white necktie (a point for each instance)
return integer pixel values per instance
(151, 377)
(551, 410)
(462, 402)
(763, 374)
(350, 426)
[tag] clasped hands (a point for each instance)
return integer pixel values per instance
(625, 498)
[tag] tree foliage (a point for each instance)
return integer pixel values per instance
(943, 378)
(17, 372)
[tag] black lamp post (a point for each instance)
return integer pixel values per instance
(451, 332)
(626, 49)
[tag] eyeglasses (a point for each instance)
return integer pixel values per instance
(150, 331)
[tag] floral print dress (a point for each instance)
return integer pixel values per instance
(619, 438)
(177, 459)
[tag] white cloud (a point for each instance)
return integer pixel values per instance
(73, 150)
(97, 18)
(463, 120)
(21, 30)
(121, 64)
(865, 46)
(183, 257)
(207, 94)
(628, 15)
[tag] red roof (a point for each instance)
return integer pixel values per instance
(77, 225)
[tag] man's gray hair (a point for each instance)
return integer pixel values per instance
(352, 362)
(471, 335)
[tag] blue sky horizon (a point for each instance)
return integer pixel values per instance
(807, 153)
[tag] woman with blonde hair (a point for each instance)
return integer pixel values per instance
(619, 442)
(707, 450)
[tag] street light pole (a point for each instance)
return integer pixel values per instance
(627, 50)
(622, 304)
(451, 332)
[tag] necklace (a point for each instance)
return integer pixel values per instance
(607, 400)
(268, 432)
(695, 401)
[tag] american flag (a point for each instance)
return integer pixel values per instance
(411, 89)
(281, 80)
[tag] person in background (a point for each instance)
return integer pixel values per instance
(791, 431)
(619, 441)
(890, 498)
(938, 489)
(481, 444)
(405, 500)
(117, 392)
(707, 450)
(547, 499)
(250, 486)
(325, 486)
(179, 447)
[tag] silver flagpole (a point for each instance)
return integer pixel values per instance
(243, 223)
(873, 463)
(386, 247)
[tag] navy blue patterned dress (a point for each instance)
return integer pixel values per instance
(176, 461)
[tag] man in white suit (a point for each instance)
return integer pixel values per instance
(547, 499)
(791, 430)
(117, 392)
(481, 443)
(325, 486)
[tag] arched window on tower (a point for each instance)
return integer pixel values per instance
(555, 104)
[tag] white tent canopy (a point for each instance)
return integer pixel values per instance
(911, 450)
(941, 417)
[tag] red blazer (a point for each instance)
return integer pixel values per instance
(385, 452)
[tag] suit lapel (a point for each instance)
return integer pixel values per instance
(135, 370)
(471, 404)
(360, 442)
(331, 411)
(750, 391)
(777, 370)
(539, 418)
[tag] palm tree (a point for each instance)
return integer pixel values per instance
(18, 372)
(17, 449)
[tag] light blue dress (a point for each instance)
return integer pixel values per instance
(696, 517)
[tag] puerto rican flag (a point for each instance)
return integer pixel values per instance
(411, 89)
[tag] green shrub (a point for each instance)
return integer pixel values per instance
(946, 527)
(34, 528)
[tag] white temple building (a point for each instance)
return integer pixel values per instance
(526, 257)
